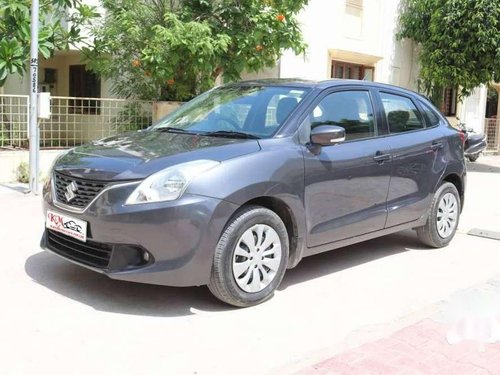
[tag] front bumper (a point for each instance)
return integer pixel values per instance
(179, 237)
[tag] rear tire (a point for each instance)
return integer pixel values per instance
(251, 258)
(443, 218)
(473, 158)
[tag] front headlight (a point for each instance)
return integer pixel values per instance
(170, 183)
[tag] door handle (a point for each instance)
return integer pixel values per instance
(380, 157)
(436, 146)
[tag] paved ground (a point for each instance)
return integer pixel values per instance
(461, 336)
(421, 348)
(59, 318)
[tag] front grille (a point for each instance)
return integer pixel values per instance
(90, 253)
(86, 191)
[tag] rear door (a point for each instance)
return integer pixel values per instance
(418, 159)
(346, 184)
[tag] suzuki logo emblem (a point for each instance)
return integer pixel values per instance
(70, 191)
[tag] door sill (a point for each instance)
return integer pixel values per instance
(363, 237)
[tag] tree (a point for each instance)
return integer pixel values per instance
(459, 42)
(173, 50)
(15, 31)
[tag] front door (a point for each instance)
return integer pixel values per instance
(346, 184)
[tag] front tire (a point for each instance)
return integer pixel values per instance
(443, 218)
(251, 258)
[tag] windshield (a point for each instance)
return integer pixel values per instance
(256, 111)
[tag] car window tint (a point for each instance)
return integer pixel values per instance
(430, 115)
(351, 110)
(402, 115)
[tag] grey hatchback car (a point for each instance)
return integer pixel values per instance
(245, 180)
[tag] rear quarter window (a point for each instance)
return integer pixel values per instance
(430, 115)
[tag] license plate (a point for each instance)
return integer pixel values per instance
(66, 225)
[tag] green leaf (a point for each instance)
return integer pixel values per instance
(3, 74)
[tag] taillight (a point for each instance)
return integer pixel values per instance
(462, 137)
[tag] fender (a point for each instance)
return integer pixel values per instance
(275, 172)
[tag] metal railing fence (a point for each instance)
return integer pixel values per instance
(492, 131)
(73, 121)
(78, 120)
(14, 110)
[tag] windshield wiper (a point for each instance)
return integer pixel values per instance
(170, 129)
(230, 134)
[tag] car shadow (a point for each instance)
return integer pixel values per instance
(477, 166)
(115, 296)
(351, 256)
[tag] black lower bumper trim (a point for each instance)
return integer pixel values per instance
(90, 253)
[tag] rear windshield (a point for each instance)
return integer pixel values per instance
(255, 110)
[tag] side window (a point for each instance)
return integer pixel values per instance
(402, 115)
(430, 115)
(351, 110)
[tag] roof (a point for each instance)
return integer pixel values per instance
(297, 82)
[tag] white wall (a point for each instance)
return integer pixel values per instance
(10, 161)
(16, 85)
(473, 109)
(263, 74)
(399, 65)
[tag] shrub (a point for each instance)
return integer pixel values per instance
(23, 172)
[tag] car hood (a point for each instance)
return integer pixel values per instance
(136, 155)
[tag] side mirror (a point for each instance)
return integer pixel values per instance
(327, 135)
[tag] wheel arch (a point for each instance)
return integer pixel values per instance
(288, 217)
(456, 180)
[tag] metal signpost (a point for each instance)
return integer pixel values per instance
(34, 140)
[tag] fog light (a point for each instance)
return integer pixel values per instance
(126, 256)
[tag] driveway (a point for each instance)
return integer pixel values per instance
(60, 318)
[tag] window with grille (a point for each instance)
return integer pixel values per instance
(449, 103)
(346, 70)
